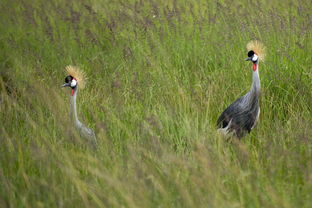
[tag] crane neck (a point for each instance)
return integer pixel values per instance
(73, 107)
(255, 87)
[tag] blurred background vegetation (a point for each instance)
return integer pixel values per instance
(159, 75)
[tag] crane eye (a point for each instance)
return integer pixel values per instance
(250, 53)
(68, 79)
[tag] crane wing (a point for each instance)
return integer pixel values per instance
(240, 116)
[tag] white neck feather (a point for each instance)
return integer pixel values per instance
(255, 87)
(73, 108)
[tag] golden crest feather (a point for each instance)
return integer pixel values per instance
(257, 47)
(78, 74)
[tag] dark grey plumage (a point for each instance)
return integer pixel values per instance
(241, 116)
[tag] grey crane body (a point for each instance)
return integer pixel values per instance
(241, 116)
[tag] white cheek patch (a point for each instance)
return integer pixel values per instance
(73, 83)
(255, 58)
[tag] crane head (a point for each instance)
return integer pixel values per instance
(252, 56)
(71, 82)
(255, 47)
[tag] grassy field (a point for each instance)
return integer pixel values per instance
(159, 75)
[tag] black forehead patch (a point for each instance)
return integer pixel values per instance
(68, 79)
(250, 53)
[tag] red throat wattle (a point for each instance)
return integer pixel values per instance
(254, 67)
(73, 91)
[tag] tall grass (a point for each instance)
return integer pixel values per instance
(160, 73)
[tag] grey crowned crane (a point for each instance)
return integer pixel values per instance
(241, 116)
(74, 80)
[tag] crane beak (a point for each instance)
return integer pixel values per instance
(248, 59)
(66, 85)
